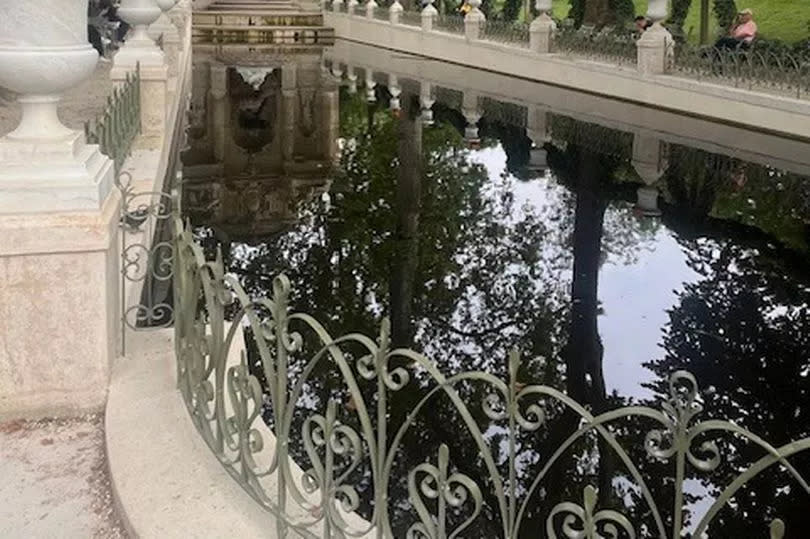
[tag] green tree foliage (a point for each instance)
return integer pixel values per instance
(725, 11)
(602, 12)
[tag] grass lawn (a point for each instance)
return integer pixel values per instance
(777, 19)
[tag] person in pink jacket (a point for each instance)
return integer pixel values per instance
(741, 34)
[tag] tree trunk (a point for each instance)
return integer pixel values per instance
(597, 12)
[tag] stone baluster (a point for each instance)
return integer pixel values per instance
(471, 109)
(474, 21)
(394, 12)
(429, 14)
(541, 31)
(351, 6)
(650, 164)
(337, 5)
(154, 73)
(371, 6)
(538, 129)
(427, 101)
(59, 212)
(371, 95)
(655, 46)
(396, 91)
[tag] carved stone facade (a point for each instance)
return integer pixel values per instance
(262, 139)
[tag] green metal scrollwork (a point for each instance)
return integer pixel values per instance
(350, 446)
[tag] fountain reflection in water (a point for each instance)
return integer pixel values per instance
(474, 252)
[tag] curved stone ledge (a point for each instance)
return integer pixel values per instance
(165, 480)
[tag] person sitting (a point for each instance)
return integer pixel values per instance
(642, 23)
(741, 34)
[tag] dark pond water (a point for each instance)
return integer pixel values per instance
(477, 245)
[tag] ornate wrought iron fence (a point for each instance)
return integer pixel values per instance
(504, 112)
(601, 46)
(347, 434)
(410, 18)
(452, 23)
(119, 124)
(512, 32)
(769, 71)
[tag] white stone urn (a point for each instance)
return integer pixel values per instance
(657, 10)
(543, 6)
(40, 60)
(164, 23)
(139, 47)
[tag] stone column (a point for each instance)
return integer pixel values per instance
(471, 109)
(351, 6)
(474, 21)
(541, 30)
(59, 310)
(429, 14)
(655, 46)
(427, 100)
(140, 50)
(650, 164)
(394, 12)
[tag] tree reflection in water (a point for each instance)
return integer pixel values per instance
(416, 230)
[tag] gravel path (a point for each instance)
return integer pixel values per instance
(54, 480)
(79, 104)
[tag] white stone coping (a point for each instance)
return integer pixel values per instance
(750, 145)
(165, 479)
(779, 114)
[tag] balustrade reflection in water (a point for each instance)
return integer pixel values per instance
(464, 248)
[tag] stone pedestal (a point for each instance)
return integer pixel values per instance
(650, 164)
(154, 103)
(429, 14)
(371, 6)
(427, 101)
(59, 310)
(394, 12)
(473, 24)
(541, 34)
(654, 50)
(396, 90)
(58, 224)
(171, 49)
(139, 47)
